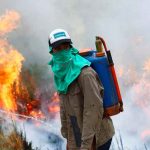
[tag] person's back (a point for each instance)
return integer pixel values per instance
(81, 97)
(84, 101)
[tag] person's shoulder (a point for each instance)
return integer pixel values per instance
(87, 71)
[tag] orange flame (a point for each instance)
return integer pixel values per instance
(10, 67)
(10, 62)
(8, 22)
(54, 109)
(37, 114)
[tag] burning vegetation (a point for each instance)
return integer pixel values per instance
(10, 62)
(22, 94)
(19, 85)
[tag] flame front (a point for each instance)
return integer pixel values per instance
(10, 62)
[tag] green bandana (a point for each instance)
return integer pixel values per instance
(66, 66)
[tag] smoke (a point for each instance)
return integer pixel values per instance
(33, 130)
(123, 24)
(48, 133)
(134, 124)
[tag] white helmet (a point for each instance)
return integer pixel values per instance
(57, 37)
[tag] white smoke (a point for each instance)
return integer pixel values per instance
(44, 135)
(134, 123)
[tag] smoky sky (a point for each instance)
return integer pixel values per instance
(123, 24)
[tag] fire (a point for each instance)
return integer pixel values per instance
(54, 106)
(54, 109)
(10, 67)
(37, 114)
(10, 62)
(15, 95)
(55, 97)
(8, 22)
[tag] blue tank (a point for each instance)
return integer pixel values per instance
(101, 66)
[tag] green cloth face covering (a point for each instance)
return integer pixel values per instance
(66, 66)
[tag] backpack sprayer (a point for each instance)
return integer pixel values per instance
(103, 64)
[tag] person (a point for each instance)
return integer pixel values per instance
(81, 97)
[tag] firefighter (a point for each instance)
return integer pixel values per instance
(81, 97)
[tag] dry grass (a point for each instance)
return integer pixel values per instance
(14, 140)
(11, 142)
